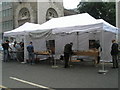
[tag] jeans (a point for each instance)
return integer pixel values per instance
(31, 57)
(6, 55)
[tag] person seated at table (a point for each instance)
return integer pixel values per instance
(99, 49)
(95, 46)
(30, 50)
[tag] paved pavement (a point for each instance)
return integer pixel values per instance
(80, 75)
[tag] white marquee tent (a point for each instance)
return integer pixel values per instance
(78, 29)
(64, 31)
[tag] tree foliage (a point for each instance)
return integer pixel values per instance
(99, 10)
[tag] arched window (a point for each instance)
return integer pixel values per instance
(51, 13)
(24, 16)
(24, 13)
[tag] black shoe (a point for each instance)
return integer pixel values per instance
(81, 60)
(113, 67)
(65, 66)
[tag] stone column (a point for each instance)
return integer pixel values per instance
(118, 17)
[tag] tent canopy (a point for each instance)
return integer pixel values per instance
(107, 26)
(67, 24)
(27, 27)
(76, 23)
(69, 21)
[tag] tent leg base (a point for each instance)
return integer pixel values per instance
(102, 71)
(54, 66)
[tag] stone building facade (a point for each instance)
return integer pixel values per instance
(36, 12)
(24, 12)
(18, 12)
(48, 10)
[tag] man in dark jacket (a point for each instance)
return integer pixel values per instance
(114, 53)
(6, 47)
(67, 53)
(30, 50)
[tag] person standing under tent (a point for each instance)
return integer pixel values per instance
(6, 47)
(22, 51)
(114, 53)
(30, 50)
(67, 53)
(14, 54)
(18, 50)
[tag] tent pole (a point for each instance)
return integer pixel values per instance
(77, 41)
(54, 62)
(25, 50)
(102, 71)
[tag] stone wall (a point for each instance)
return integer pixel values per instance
(43, 8)
(37, 11)
(32, 8)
